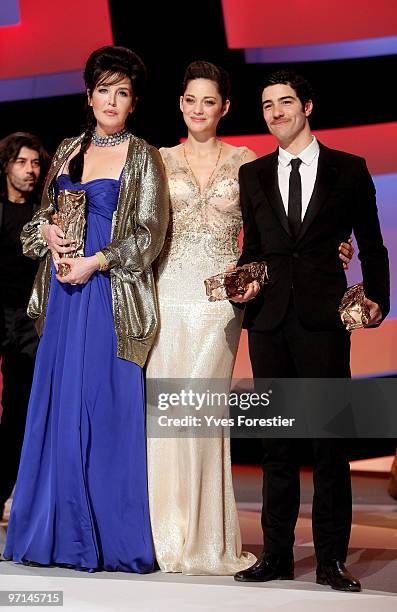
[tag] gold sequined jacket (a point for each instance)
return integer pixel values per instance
(139, 226)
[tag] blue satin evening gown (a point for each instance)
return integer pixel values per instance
(81, 496)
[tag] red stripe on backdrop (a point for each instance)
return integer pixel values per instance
(373, 351)
(256, 23)
(53, 37)
(377, 143)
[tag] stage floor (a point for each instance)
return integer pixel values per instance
(372, 558)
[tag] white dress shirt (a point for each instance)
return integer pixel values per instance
(307, 169)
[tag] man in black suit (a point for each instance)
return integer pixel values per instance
(298, 204)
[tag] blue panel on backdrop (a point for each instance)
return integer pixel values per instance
(368, 47)
(9, 12)
(42, 86)
(386, 189)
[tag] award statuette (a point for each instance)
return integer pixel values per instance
(70, 218)
(353, 310)
(228, 284)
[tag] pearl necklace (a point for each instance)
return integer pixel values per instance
(212, 173)
(110, 140)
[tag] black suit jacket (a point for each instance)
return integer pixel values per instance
(343, 201)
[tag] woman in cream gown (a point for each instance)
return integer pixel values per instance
(193, 511)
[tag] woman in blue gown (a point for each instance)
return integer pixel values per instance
(81, 495)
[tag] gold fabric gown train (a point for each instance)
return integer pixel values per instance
(193, 511)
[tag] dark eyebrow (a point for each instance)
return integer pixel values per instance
(279, 99)
(109, 84)
(205, 97)
(21, 158)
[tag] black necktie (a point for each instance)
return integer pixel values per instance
(295, 198)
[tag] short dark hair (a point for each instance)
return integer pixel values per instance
(10, 147)
(205, 70)
(299, 84)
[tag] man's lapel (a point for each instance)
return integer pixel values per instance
(327, 173)
(269, 181)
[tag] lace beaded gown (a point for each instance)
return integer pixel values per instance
(193, 511)
(81, 494)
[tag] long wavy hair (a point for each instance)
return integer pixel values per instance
(108, 64)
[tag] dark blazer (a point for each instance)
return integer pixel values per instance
(343, 201)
